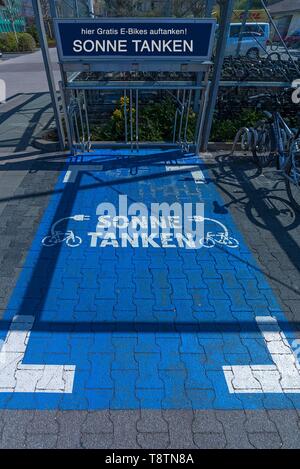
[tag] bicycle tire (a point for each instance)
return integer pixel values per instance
(293, 189)
(46, 241)
(207, 243)
(233, 243)
(264, 146)
(74, 243)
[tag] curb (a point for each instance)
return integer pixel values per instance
(47, 145)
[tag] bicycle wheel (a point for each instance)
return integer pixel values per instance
(263, 148)
(232, 242)
(73, 242)
(49, 241)
(207, 243)
(293, 177)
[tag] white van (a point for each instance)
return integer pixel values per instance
(254, 39)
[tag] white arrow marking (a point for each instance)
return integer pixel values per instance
(282, 377)
(16, 377)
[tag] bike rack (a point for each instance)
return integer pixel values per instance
(76, 103)
(86, 83)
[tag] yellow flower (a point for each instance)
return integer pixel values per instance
(122, 100)
(117, 114)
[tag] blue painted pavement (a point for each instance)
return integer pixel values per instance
(145, 327)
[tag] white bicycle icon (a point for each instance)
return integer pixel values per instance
(57, 236)
(220, 237)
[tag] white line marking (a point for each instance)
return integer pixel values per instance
(198, 177)
(196, 173)
(67, 176)
(17, 377)
(281, 377)
(74, 169)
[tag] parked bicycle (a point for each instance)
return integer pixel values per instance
(272, 139)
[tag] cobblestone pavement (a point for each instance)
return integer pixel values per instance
(149, 343)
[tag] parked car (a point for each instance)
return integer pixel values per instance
(253, 39)
(293, 40)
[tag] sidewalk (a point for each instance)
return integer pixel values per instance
(26, 73)
(22, 119)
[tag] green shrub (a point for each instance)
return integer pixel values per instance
(33, 32)
(224, 130)
(8, 42)
(26, 42)
(156, 121)
(19, 42)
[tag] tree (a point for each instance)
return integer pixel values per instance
(47, 17)
(13, 13)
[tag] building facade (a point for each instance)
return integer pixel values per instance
(286, 14)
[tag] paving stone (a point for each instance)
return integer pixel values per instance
(41, 441)
(125, 423)
(14, 429)
(265, 440)
(43, 422)
(234, 429)
(259, 422)
(97, 440)
(97, 422)
(152, 421)
(206, 422)
(180, 428)
(70, 423)
(210, 440)
(153, 440)
(287, 424)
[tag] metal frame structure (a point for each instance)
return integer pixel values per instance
(75, 106)
(199, 93)
(73, 94)
(78, 128)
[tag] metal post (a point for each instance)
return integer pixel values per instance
(209, 7)
(187, 116)
(181, 116)
(226, 9)
(168, 8)
(131, 123)
(125, 116)
(199, 76)
(65, 111)
(137, 119)
(90, 4)
(48, 68)
(87, 121)
(76, 8)
(175, 117)
(248, 7)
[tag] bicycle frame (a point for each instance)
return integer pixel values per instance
(279, 150)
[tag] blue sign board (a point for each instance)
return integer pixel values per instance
(159, 38)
